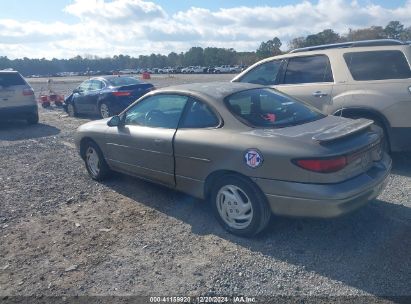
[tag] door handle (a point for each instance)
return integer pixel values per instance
(319, 94)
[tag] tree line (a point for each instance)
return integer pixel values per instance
(198, 56)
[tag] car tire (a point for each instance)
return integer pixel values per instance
(239, 205)
(33, 119)
(71, 109)
(104, 110)
(95, 163)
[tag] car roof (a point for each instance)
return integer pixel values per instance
(215, 90)
(350, 44)
(110, 77)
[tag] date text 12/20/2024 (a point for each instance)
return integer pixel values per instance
(234, 299)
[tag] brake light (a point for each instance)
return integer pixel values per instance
(122, 93)
(28, 92)
(323, 165)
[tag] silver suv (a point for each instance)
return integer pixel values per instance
(370, 79)
(17, 99)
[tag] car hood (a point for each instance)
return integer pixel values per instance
(95, 126)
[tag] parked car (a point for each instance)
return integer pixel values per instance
(185, 70)
(236, 69)
(105, 96)
(209, 70)
(250, 150)
(17, 99)
(169, 70)
(193, 70)
(370, 79)
(223, 69)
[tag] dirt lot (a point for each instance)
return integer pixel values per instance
(63, 234)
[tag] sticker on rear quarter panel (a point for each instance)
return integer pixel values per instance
(253, 158)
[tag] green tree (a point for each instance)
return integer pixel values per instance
(173, 60)
(269, 48)
(406, 34)
(296, 43)
(373, 32)
(394, 29)
(194, 56)
(325, 37)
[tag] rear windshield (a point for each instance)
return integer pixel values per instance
(123, 81)
(11, 79)
(378, 65)
(268, 108)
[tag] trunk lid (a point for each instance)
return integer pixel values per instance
(329, 138)
(143, 87)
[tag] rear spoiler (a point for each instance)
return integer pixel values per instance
(342, 130)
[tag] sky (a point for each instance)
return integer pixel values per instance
(66, 28)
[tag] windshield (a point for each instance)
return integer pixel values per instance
(123, 81)
(268, 108)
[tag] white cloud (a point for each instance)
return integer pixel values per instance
(119, 10)
(135, 27)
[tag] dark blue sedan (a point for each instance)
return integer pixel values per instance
(106, 95)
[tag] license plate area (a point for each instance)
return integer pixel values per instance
(365, 157)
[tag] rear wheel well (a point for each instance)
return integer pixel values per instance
(214, 176)
(378, 118)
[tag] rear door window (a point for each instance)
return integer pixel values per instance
(265, 74)
(11, 79)
(95, 85)
(199, 115)
(377, 65)
(310, 69)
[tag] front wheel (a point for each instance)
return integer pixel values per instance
(71, 110)
(95, 163)
(240, 206)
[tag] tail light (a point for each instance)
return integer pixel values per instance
(323, 165)
(122, 93)
(28, 92)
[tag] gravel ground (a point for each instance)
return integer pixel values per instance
(61, 233)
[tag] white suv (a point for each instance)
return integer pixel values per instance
(370, 79)
(17, 99)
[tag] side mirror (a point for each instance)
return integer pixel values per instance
(115, 121)
(77, 90)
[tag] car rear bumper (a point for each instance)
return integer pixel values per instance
(326, 200)
(18, 112)
(400, 139)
